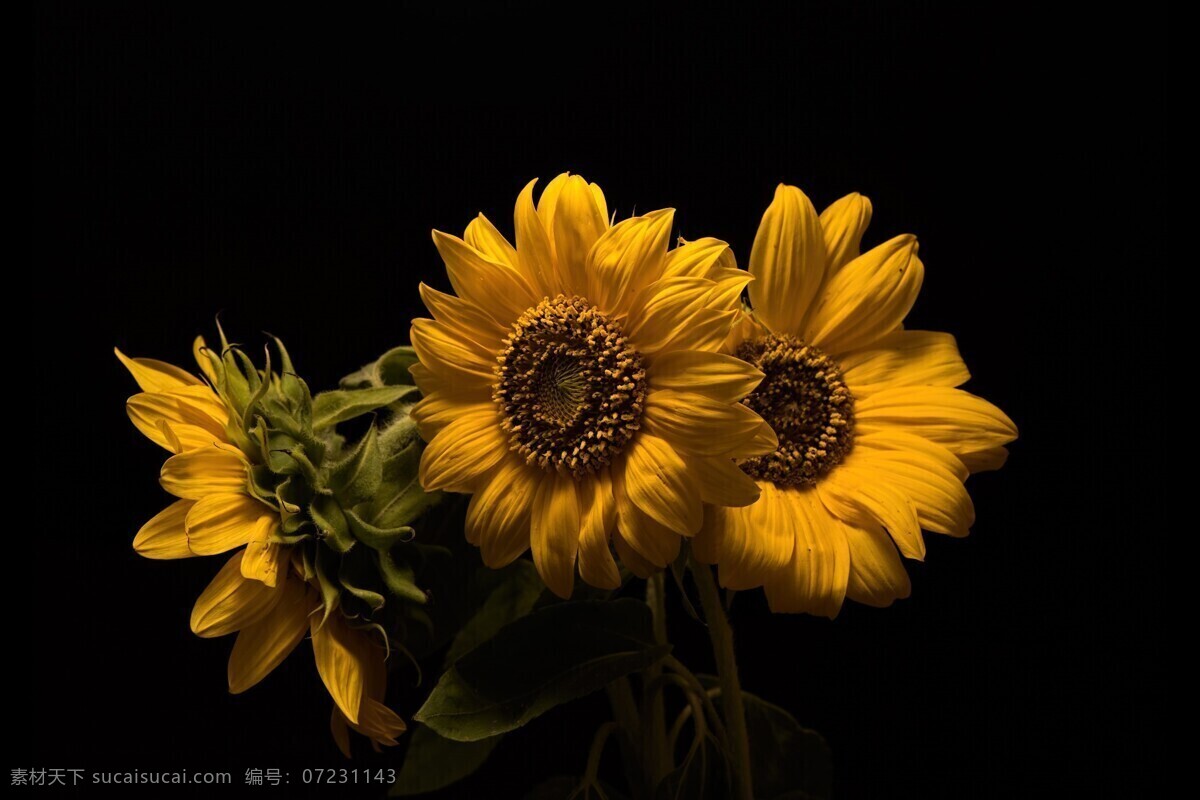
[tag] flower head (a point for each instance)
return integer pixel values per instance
(574, 386)
(874, 440)
(259, 471)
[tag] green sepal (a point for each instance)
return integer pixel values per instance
(381, 539)
(329, 587)
(390, 369)
(356, 478)
(400, 579)
(330, 408)
(355, 573)
(331, 520)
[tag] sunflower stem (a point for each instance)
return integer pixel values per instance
(654, 732)
(625, 712)
(721, 635)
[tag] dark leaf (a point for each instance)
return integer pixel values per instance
(513, 598)
(554, 655)
(433, 762)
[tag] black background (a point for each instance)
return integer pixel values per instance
(285, 168)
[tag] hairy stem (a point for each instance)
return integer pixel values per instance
(731, 692)
(658, 761)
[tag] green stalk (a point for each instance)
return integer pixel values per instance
(731, 692)
(625, 712)
(654, 732)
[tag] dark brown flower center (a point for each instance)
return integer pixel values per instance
(570, 389)
(805, 400)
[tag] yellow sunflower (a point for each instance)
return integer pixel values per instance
(261, 593)
(575, 388)
(875, 441)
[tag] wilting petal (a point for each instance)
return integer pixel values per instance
(263, 646)
(339, 652)
(231, 603)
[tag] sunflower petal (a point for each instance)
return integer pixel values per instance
(757, 539)
(156, 376)
(628, 257)
(165, 536)
(444, 348)
(721, 377)
(957, 420)
(984, 460)
(554, 532)
(206, 470)
(701, 258)
(655, 544)
(577, 223)
(868, 298)
(463, 451)
(498, 516)
(264, 559)
(656, 480)
(787, 260)
(534, 254)
(263, 646)
(598, 518)
(904, 358)
(230, 602)
(843, 225)
(698, 424)
(877, 575)
(220, 522)
(339, 653)
(722, 482)
(464, 320)
(483, 236)
(864, 496)
(498, 289)
(190, 421)
(815, 578)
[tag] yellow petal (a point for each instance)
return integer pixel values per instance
(577, 223)
(263, 646)
(339, 653)
(463, 451)
(877, 575)
(534, 255)
(435, 411)
(231, 603)
(864, 496)
(264, 560)
(657, 482)
(787, 260)
(156, 376)
(601, 203)
(762, 442)
(464, 320)
(932, 482)
(554, 532)
(632, 559)
(843, 225)
(548, 203)
(498, 516)
(483, 236)
(984, 460)
(628, 257)
(757, 539)
(438, 346)
(379, 723)
(815, 577)
(204, 471)
(497, 289)
(195, 421)
(220, 522)
(722, 482)
(868, 298)
(721, 377)
(667, 309)
(464, 387)
(904, 358)
(164, 536)
(598, 518)
(697, 424)
(702, 258)
(957, 420)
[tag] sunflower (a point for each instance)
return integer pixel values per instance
(266, 592)
(875, 441)
(574, 386)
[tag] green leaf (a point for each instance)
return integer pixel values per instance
(513, 598)
(784, 756)
(552, 656)
(433, 762)
(330, 408)
(356, 478)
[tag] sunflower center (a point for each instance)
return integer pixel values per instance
(805, 399)
(570, 389)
